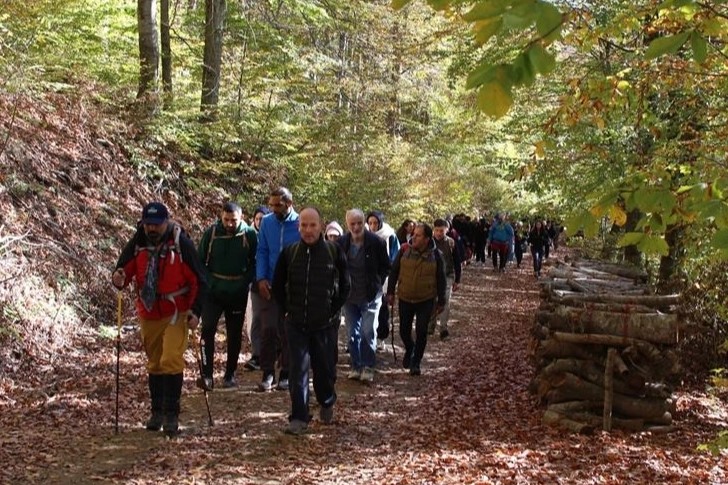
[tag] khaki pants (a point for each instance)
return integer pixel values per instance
(165, 344)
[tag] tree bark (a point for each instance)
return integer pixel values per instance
(148, 47)
(164, 29)
(608, 390)
(557, 420)
(212, 62)
(656, 301)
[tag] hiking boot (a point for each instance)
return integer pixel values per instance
(415, 370)
(407, 359)
(155, 421)
(367, 375)
(172, 393)
(171, 425)
(230, 383)
(444, 334)
(266, 384)
(354, 375)
(252, 364)
(296, 427)
(282, 381)
(326, 415)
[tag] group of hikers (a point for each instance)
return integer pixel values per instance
(301, 277)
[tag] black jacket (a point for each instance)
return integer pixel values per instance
(311, 284)
(376, 259)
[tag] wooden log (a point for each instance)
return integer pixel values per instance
(608, 390)
(588, 273)
(555, 349)
(656, 301)
(557, 420)
(571, 407)
(616, 269)
(633, 424)
(632, 379)
(569, 387)
(599, 307)
(657, 328)
(589, 371)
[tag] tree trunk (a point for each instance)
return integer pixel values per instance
(656, 301)
(164, 29)
(148, 46)
(214, 24)
(632, 255)
(669, 279)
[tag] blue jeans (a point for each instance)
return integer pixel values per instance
(537, 259)
(407, 313)
(311, 350)
(361, 322)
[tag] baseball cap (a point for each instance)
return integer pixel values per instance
(154, 213)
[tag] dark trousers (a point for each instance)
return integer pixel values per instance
(407, 314)
(480, 252)
(314, 350)
(537, 254)
(499, 249)
(518, 249)
(234, 311)
(383, 319)
(273, 338)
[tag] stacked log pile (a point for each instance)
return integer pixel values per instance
(603, 349)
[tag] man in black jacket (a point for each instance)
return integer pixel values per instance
(311, 284)
(368, 261)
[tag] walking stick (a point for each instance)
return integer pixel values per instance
(118, 351)
(391, 330)
(201, 361)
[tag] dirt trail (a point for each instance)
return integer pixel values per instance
(467, 419)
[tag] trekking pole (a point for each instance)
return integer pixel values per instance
(118, 351)
(391, 330)
(201, 383)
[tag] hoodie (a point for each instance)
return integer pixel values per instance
(387, 234)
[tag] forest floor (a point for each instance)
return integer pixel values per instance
(468, 419)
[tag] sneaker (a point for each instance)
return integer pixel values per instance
(367, 375)
(205, 383)
(230, 383)
(407, 359)
(266, 384)
(415, 370)
(354, 375)
(252, 364)
(296, 427)
(326, 415)
(282, 382)
(444, 334)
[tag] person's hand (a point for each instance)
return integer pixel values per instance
(192, 321)
(264, 289)
(455, 286)
(390, 300)
(439, 309)
(118, 278)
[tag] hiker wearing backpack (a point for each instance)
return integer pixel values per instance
(368, 262)
(227, 249)
(311, 283)
(277, 230)
(376, 224)
(255, 302)
(453, 271)
(171, 285)
(500, 238)
(418, 275)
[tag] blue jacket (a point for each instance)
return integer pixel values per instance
(274, 235)
(500, 231)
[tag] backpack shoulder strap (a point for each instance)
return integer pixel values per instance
(209, 245)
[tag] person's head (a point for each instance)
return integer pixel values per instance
(375, 220)
(408, 225)
(333, 231)
(280, 202)
(421, 236)
(439, 229)
(155, 217)
(309, 225)
(355, 223)
(258, 215)
(231, 216)
(538, 225)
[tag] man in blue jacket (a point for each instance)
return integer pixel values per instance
(277, 230)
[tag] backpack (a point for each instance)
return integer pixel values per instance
(225, 236)
(177, 231)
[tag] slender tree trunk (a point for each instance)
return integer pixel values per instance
(669, 278)
(148, 46)
(632, 255)
(166, 48)
(214, 24)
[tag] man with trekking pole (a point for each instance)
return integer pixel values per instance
(170, 287)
